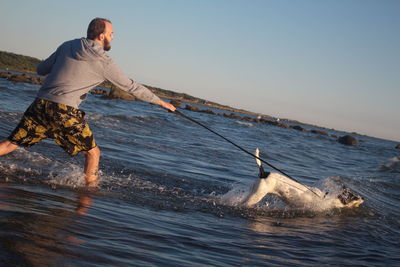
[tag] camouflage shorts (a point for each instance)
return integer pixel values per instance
(64, 124)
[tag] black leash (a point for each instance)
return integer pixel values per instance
(244, 150)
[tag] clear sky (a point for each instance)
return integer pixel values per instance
(332, 63)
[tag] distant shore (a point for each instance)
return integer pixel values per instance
(19, 68)
(110, 92)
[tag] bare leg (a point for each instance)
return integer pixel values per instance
(92, 166)
(7, 147)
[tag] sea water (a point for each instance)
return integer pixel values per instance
(170, 193)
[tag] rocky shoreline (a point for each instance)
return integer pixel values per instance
(115, 93)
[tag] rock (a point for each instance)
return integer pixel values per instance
(347, 140)
(4, 74)
(191, 108)
(209, 111)
(274, 123)
(398, 146)
(231, 115)
(176, 103)
(19, 78)
(280, 124)
(101, 92)
(37, 80)
(319, 132)
(116, 93)
(298, 128)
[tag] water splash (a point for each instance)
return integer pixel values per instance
(24, 166)
(393, 165)
(332, 186)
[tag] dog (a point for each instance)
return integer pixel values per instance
(295, 194)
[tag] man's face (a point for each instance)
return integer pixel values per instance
(108, 36)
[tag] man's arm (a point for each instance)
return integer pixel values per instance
(115, 75)
(167, 105)
(44, 67)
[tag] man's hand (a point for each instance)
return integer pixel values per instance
(167, 105)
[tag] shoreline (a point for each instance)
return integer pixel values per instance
(115, 93)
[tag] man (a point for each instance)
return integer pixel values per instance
(73, 70)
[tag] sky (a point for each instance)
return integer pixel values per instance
(331, 63)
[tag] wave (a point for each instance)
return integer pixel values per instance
(393, 165)
(248, 124)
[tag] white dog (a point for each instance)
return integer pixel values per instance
(296, 194)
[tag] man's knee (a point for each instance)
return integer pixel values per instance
(94, 152)
(7, 147)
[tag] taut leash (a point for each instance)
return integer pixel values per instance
(239, 147)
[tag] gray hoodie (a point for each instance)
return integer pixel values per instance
(79, 65)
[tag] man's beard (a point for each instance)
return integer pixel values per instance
(106, 45)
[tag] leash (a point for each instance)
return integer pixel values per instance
(242, 149)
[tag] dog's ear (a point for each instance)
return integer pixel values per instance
(262, 174)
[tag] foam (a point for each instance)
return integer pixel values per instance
(35, 168)
(69, 175)
(392, 165)
(248, 124)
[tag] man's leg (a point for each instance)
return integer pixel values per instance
(7, 147)
(92, 166)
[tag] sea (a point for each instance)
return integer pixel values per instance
(170, 193)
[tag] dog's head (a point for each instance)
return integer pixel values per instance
(350, 199)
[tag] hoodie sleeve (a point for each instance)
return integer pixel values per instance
(44, 67)
(115, 75)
